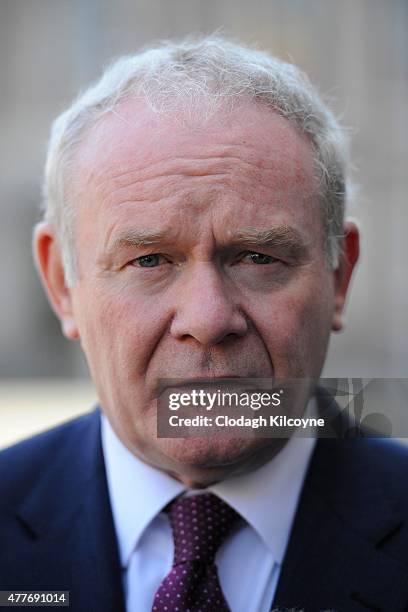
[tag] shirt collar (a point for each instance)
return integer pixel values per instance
(137, 491)
(267, 497)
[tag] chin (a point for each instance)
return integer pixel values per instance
(223, 455)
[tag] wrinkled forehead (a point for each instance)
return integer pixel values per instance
(134, 136)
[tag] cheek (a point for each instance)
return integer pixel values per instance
(118, 333)
(295, 328)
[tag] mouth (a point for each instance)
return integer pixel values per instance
(225, 381)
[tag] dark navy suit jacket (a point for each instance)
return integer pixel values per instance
(348, 550)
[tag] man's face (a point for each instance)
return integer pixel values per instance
(200, 254)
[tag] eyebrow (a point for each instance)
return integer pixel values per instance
(137, 238)
(284, 238)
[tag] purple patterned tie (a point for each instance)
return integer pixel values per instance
(200, 524)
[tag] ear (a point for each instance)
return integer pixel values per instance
(342, 275)
(47, 255)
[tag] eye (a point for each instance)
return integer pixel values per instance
(149, 261)
(258, 258)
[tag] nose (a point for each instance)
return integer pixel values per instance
(205, 309)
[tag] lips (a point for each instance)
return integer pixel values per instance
(245, 383)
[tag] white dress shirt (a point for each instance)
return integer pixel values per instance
(248, 562)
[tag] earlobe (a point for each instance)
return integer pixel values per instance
(343, 274)
(48, 259)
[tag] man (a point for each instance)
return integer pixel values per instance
(194, 229)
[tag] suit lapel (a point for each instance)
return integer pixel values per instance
(335, 558)
(69, 518)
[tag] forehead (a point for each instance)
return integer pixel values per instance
(133, 133)
(179, 163)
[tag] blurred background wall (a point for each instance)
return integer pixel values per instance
(356, 51)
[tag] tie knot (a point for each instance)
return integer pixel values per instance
(200, 524)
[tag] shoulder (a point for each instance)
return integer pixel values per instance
(32, 459)
(355, 461)
(363, 480)
(360, 460)
(387, 459)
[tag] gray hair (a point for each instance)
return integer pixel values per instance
(213, 72)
